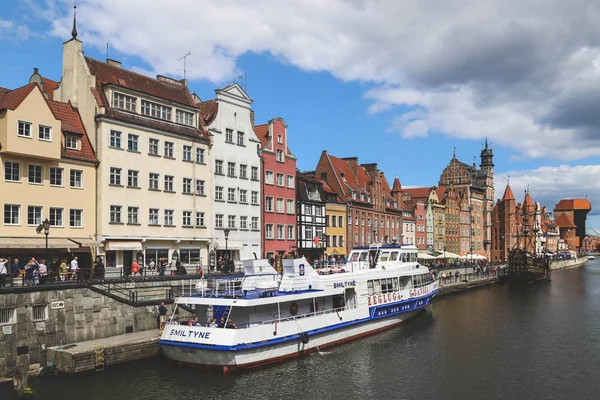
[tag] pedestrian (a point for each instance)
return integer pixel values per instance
(99, 268)
(42, 272)
(30, 271)
(15, 270)
(3, 271)
(135, 268)
(162, 315)
(74, 268)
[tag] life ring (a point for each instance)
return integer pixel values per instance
(294, 308)
(304, 337)
(314, 307)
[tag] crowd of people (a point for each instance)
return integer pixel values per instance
(35, 272)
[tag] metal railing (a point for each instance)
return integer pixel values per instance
(470, 277)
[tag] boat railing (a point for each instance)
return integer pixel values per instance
(336, 310)
(227, 286)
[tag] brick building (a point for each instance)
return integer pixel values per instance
(570, 215)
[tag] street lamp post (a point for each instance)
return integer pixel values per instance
(226, 232)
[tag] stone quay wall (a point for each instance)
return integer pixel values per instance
(570, 263)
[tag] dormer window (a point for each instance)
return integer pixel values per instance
(280, 139)
(156, 110)
(184, 117)
(124, 102)
(71, 142)
(279, 155)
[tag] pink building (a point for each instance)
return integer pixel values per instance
(279, 190)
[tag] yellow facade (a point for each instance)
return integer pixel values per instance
(337, 217)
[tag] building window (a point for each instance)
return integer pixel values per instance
(340, 221)
(115, 214)
(269, 231)
(318, 211)
(153, 147)
(290, 232)
(34, 215)
(153, 216)
(231, 169)
(169, 149)
(39, 313)
(153, 181)
(115, 139)
(280, 155)
(269, 177)
(169, 214)
(76, 178)
(12, 214)
(269, 204)
(254, 174)
(184, 117)
(334, 241)
(132, 142)
(115, 176)
(240, 138)
(156, 110)
(290, 206)
(333, 221)
(36, 174)
(200, 219)
(341, 244)
(75, 218)
(280, 139)
(169, 187)
(243, 171)
(254, 197)
(279, 179)
(7, 316)
(290, 181)
(44, 133)
(187, 218)
(12, 171)
(187, 185)
(308, 233)
(132, 215)
(219, 193)
(219, 221)
(307, 209)
(200, 156)
(56, 216)
(231, 195)
(243, 222)
(71, 142)
(24, 129)
(254, 225)
(231, 221)
(280, 206)
(229, 135)
(219, 167)
(132, 178)
(199, 187)
(124, 102)
(187, 153)
(280, 233)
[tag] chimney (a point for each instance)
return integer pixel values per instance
(166, 79)
(252, 117)
(113, 63)
(352, 163)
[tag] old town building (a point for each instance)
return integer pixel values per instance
(451, 203)
(374, 212)
(152, 182)
(311, 229)
(48, 174)
(336, 216)
(279, 190)
(570, 215)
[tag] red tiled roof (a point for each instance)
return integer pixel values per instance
(440, 191)
(363, 178)
(508, 194)
(3, 91)
(418, 193)
(50, 86)
(573, 204)
(108, 74)
(13, 98)
(564, 222)
(262, 132)
(208, 110)
(397, 186)
(528, 201)
(341, 167)
(71, 123)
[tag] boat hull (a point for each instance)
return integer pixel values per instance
(256, 357)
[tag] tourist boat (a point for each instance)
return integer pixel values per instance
(591, 257)
(268, 317)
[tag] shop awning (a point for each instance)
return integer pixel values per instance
(85, 242)
(123, 245)
(36, 243)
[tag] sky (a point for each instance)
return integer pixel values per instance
(400, 83)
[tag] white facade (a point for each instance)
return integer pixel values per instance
(235, 194)
(409, 229)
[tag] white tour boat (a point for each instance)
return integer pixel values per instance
(264, 317)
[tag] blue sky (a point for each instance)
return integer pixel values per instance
(340, 92)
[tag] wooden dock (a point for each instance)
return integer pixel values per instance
(95, 355)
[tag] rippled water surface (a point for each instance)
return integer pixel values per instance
(509, 342)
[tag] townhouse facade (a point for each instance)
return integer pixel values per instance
(336, 217)
(279, 190)
(48, 171)
(311, 227)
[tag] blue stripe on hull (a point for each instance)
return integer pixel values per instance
(376, 312)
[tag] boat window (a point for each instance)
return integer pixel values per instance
(413, 257)
(370, 288)
(405, 282)
(384, 256)
(403, 257)
(414, 281)
(384, 288)
(395, 280)
(363, 256)
(377, 286)
(394, 256)
(354, 257)
(390, 285)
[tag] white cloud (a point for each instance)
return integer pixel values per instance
(512, 70)
(548, 185)
(9, 30)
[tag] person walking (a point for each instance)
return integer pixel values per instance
(135, 268)
(42, 272)
(74, 268)
(16, 271)
(99, 268)
(3, 271)
(162, 315)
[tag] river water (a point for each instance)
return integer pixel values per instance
(509, 342)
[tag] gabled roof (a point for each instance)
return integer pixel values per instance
(208, 110)
(71, 124)
(50, 86)
(508, 194)
(109, 74)
(440, 191)
(528, 201)
(397, 186)
(418, 193)
(11, 99)
(262, 132)
(344, 174)
(564, 222)
(573, 204)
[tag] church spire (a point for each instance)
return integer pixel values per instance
(74, 31)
